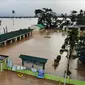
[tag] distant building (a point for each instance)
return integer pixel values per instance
(81, 29)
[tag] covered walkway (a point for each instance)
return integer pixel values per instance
(14, 36)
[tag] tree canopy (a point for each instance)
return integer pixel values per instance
(73, 15)
(78, 17)
(46, 17)
(81, 18)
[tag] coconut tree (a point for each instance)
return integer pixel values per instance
(81, 18)
(38, 12)
(73, 16)
(47, 17)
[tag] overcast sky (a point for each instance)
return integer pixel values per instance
(27, 7)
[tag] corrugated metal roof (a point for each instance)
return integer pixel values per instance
(9, 35)
(33, 59)
(40, 25)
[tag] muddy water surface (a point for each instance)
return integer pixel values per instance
(39, 46)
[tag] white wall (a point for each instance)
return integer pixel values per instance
(19, 23)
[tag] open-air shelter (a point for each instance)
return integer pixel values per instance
(34, 60)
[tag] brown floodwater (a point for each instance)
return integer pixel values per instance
(11, 78)
(39, 46)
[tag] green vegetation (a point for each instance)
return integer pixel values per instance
(81, 18)
(51, 77)
(80, 48)
(50, 19)
(46, 17)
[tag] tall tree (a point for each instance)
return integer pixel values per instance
(73, 16)
(38, 12)
(64, 16)
(81, 18)
(47, 18)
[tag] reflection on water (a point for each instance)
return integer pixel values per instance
(41, 47)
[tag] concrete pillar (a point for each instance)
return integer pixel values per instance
(20, 38)
(1, 65)
(5, 43)
(16, 39)
(22, 63)
(24, 36)
(11, 41)
(43, 66)
(0, 44)
(30, 33)
(79, 29)
(5, 61)
(27, 34)
(66, 29)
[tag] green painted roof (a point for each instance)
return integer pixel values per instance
(41, 26)
(12, 34)
(33, 59)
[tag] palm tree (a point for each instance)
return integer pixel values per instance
(47, 16)
(13, 12)
(73, 16)
(81, 18)
(38, 12)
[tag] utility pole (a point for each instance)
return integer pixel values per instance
(13, 12)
